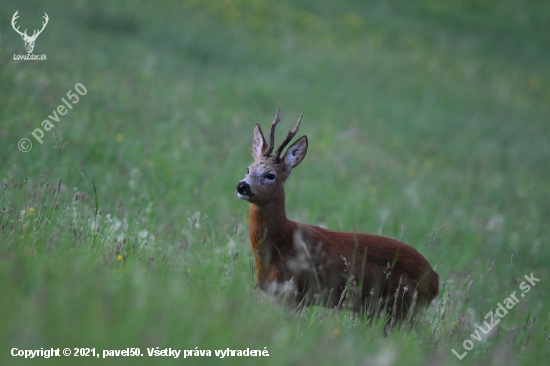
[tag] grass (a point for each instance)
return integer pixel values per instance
(427, 121)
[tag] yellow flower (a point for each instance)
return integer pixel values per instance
(31, 210)
(337, 331)
(119, 257)
(119, 137)
(428, 164)
(352, 20)
(189, 271)
(455, 324)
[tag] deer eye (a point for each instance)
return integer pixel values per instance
(270, 176)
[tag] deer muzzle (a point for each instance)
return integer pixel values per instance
(243, 190)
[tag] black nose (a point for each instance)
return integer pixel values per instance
(243, 188)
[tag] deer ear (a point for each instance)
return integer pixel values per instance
(296, 153)
(258, 143)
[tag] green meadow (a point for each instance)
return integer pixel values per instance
(428, 122)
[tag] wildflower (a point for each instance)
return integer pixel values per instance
(31, 210)
(120, 257)
(189, 270)
(428, 164)
(337, 331)
(119, 137)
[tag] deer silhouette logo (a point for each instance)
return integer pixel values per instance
(29, 40)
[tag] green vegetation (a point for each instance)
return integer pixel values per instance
(427, 121)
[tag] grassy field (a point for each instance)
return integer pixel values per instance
(427, 122)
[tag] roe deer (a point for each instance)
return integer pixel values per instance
(319, 264)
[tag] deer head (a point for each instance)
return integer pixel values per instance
(29, 41)
(265, 177)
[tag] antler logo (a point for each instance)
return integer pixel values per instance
(29, 41)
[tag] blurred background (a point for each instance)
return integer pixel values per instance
(427, 122)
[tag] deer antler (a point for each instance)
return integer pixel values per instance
(43, 26)
(34, 34)
(288, 138)
(272, 134)
(15, 16)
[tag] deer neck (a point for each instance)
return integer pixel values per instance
(270, 233)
